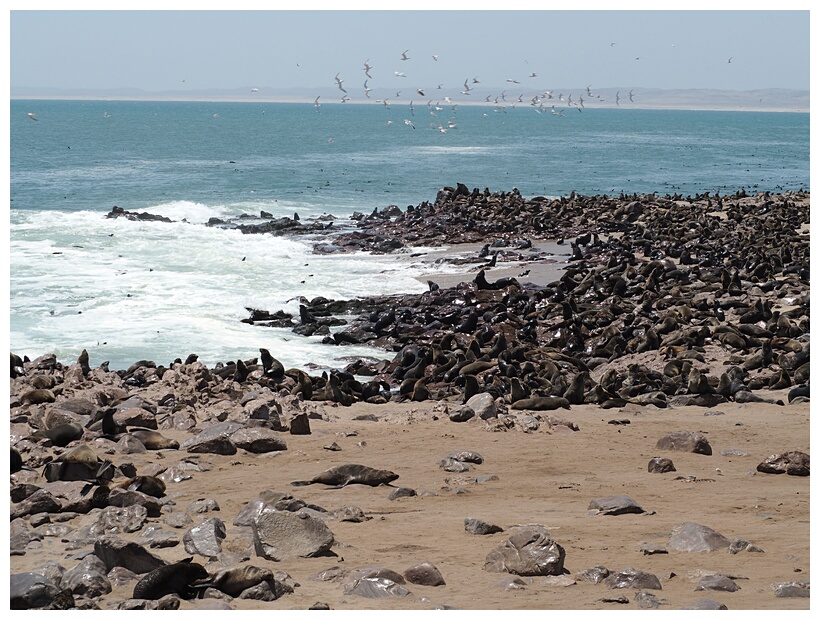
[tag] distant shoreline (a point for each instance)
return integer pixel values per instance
(279, 99)
(757, 100)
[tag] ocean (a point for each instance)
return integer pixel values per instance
(132, 290)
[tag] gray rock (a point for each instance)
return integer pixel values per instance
(354, 514)
(652, 549)
(685, 441)
(88, 578)
(376, 587)
(258, 440)
(792, 463)
(123, 498)
(615, 505)
(528, 551)
(717, 582)
(461, 414)
(21, 536)
(169, 602)
(300, 424)
(215, 439)
(128, 444)
(660, 465)
(120, 576)
(31, 591)
(116, 520)
(454, 466)
(793, 589)
(483, 405)
(179, 520)
(466, 456)
(116, 552)
(39, 501)
(732, 452)
(280, 535)
(632, 578)
(401, 492)
(201, 506)
(693, 537)
(206, 538)
(647, 600)
(596, 574)
(705, 603)
(739, 544)
(424, 574)
(481, 528)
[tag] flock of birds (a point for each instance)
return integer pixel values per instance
(542, 102)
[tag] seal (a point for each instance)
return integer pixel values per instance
(233, 581)
(174, 578)
(61, 434)
(541, 403)
(152, 440)
(342, 475)
(150, 485)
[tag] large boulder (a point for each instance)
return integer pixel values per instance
(528, 551)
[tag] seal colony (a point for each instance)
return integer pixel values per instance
(676, 312)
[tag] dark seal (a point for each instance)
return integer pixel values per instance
(174, 578)
(342, 475)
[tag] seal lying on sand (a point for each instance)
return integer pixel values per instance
(342, 475)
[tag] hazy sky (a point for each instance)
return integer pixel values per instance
(199, 50)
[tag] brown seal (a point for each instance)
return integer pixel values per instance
(174, 578)
(342, 475)
(152, 440)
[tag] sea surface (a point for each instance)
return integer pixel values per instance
(127, 290)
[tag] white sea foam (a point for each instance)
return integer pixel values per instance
(120, 288)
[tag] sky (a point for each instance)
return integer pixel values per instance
(199, 50)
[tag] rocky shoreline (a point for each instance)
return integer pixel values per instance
(667, 304)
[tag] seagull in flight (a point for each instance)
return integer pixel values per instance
(511, 81)
(339, 83)
(420, 92)
(399, 74)
(630, 95)
(404, 55)
(254, 90)
(408, 122)
(730, 59)
(32, 116)
(316, 103)
(618, 98)
(367, 68)
(435, 57)
(533, 74)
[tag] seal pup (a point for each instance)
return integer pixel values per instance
(152, 440)
(174, 578)
(342, 475)
(233, 581)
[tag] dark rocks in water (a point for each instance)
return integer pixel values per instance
(793, 463)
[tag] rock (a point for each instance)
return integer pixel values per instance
(281, 535)
(31, 591)
(376, 587)
(258, 440)
(480, 528)
(424, 574)
(615, 505)
(652, 549)
(632, 578)
(660, 465)
(116, 552)
(300, 424)
(206, 538)
(717, 582)
(792, 589)
(706, 604)
(354, 514)
(685, 441)
(88, 578)
(792, 463)
(461, 414)
(596, 574)
(123, 498)
(214, 439)
(693, 537)
(647, 600)
(401, 492)
(528, 551)
(483, 405)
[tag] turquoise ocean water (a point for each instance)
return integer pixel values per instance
(128, 290)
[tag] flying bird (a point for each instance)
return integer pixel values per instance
(630, 95)
(435, 57)
(730, 59)
(533, 74)
(32, 117)
(404, 55)
(399, 74)
(339, 83)
(420, 92)
(254, 90)
(407, 121)
(367, 69)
